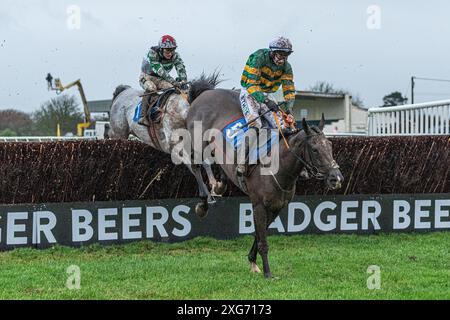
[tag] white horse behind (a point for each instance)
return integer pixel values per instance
(123, 108)
(174, 113)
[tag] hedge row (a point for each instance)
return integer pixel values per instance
(128, 170)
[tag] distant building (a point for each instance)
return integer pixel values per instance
(341, 115)
(99, 109)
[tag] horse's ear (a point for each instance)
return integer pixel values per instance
(322, 122)
(305, 126)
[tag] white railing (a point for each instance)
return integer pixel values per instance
(431, 118)
(43, 139)
(345, 134)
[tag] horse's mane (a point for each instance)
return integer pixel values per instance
(198, 86)
(119, 89)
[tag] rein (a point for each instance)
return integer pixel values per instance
(310, 168)
(279, 185)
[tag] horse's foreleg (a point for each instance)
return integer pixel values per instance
(202, 188)
(218, 188)
(260, 218)
(252, 257)
(209, 172)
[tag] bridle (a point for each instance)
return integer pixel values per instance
(310, 167)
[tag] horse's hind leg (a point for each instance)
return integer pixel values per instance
(254, 251)
(202, 207)
(260, 218)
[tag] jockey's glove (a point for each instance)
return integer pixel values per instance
(271, 105)
(180, 85)
(177, 84)
(184, 85)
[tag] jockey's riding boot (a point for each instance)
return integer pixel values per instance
(241, 172)
(143, 120)
(241, 169)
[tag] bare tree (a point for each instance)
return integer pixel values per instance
(326, 87)
(16, 121)
(323, 87)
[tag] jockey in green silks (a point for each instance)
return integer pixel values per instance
(155, 70)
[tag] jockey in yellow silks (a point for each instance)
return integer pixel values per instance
(265, 71)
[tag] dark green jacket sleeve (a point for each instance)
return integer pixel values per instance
(287, 81)
(181, 69)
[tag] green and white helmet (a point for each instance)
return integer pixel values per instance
(281, 44)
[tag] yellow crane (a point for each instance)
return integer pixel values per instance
(58, 87)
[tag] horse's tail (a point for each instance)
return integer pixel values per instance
(119, 89)
(202, 84)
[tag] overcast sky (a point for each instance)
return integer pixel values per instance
(350, 44)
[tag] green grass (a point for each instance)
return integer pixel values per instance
(413, 266)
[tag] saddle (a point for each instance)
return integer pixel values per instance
(156, 102)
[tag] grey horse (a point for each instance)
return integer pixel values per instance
(175, 110)
(269, 193)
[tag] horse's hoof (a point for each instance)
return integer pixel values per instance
(254, 268)
(201, 209)
(268, 275)
(220, 188)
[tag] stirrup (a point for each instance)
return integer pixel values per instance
(156, 116)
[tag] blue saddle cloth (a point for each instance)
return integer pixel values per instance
(137, 111)
(234, 134)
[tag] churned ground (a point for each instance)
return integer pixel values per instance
(412, 266)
